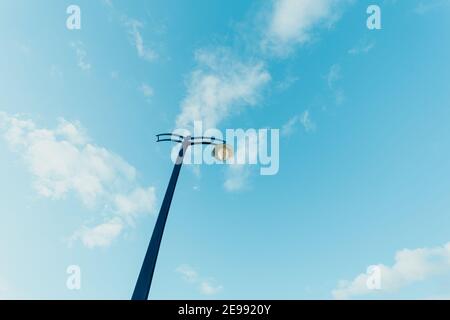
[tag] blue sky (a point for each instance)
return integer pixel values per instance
(364, 148)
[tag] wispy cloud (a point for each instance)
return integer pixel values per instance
(187, 273)
(101, 235)
(236, 178)
(290, 126)
(146, 90)
(206, 286)
(286, 83)
(306, 121)
(334, 74)
(81, 55)
(222, 83)
(411, 266)
(219, 86)
(64, 160)
(144, 51)
(209, 287)
(291, 22)
(362, 47)
(332, 77)
(303, 119)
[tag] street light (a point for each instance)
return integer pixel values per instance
(221, 152)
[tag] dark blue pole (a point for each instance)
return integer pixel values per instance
(144, 281)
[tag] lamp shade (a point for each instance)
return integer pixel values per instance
(222, 152)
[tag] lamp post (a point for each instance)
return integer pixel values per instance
(222, 152)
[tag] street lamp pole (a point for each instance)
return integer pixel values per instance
(144, 281)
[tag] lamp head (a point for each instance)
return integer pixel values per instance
(222, 152)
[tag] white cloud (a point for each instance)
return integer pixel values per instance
(101, 235)
(334, 74)
(219, 86)
(81, 55)
(146, 90)
(410, 266)
(332, 78)
(140, 200)
(287, 83)
(237, 176)
(303, 119)
(362, 47)
(290, 126)
(292, 22)
(205, 286)
(306, 121)
(222, 84)
(63, 160)
(208, 288)
(143, 51)
(187, 273)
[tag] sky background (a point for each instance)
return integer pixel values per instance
(364, 148)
